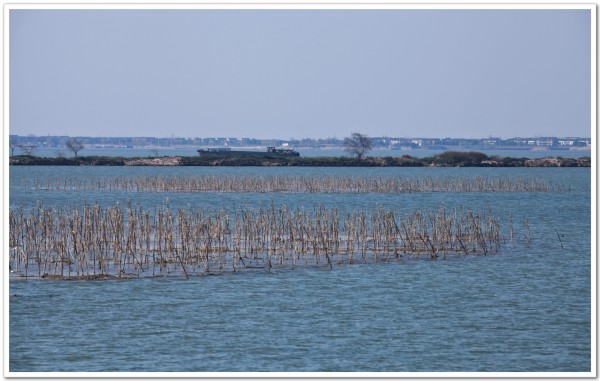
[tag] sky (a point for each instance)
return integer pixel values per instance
(300, 73)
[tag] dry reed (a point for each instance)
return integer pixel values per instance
(298, 184)
(95, 241)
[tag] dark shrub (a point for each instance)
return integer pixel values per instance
(457, 158)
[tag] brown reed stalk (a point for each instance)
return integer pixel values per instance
(91, 240)
(302, 184)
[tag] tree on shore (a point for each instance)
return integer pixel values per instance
(358, 144)
(74, 146)
(28, 149)
(12, 144)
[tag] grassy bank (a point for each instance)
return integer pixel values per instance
(445, 159)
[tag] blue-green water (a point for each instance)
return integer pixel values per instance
(525, 309)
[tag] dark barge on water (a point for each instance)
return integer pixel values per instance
(271, 152)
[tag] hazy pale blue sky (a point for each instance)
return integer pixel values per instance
(300, 73)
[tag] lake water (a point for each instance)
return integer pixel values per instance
(525, 309)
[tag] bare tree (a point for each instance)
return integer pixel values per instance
(28, 149)
(74, 145)
(12, 144)
(358, 144)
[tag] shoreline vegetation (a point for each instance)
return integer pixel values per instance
(445, 159)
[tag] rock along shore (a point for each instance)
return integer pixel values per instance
(445, 159)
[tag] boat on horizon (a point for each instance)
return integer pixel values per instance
(271, 152)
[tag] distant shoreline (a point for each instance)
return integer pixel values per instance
(443, 159)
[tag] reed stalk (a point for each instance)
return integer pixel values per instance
(97, 241)
(298, 184)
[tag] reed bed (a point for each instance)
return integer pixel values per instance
(95, 241)
(298, 184)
